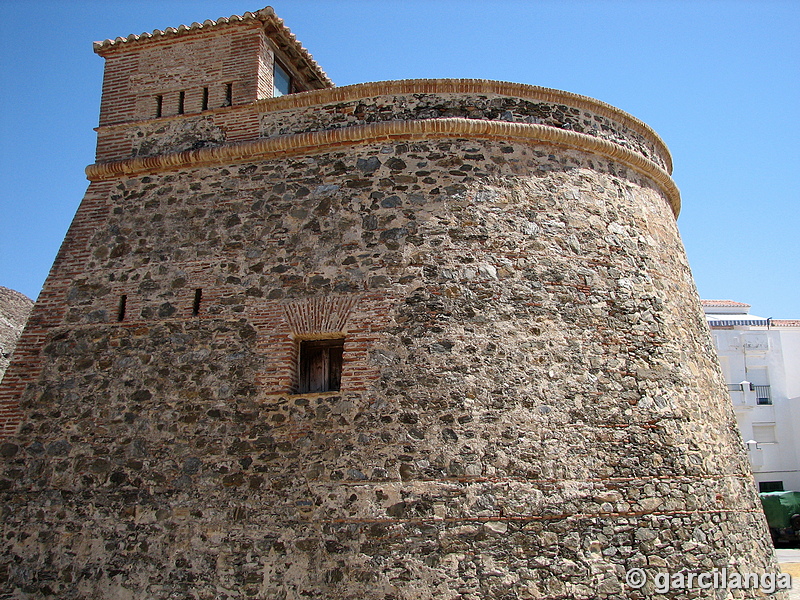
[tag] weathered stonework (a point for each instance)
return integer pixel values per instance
(175, 135)
(14, 311)
(529, 401)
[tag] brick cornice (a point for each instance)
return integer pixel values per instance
(322, 141)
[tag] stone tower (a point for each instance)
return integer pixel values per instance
(400, 341)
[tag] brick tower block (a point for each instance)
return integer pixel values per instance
(391, 341)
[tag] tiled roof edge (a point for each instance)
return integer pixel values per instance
(731, 303)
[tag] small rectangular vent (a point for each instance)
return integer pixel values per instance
(123, 301)
(198, 295)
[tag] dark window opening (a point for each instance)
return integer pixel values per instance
(159, 105)
(123, 300)
(770, 486)
(181, 102)
(281, 81)
(228, 94)
(320, 365)
(205, 98)
(198, 294)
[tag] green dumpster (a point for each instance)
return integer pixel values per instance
(783, 514)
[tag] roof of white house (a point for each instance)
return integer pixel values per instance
(727, 313)
(721, 303)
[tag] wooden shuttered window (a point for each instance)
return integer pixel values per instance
(321, 365)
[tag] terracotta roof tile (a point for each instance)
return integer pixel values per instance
(721, 303)
(785, 322)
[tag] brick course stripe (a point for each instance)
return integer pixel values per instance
(322, 141)
(531, 518)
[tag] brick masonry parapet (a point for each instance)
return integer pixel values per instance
(517, 101)
(486, 106)
(438, 98)
(282, 117)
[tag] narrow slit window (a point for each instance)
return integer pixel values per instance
(205, 98)
(123, 301)
(159, 105)
(181, 102)
(320, 365)
(228, 94)
(198, 295)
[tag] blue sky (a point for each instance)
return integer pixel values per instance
(718, 80)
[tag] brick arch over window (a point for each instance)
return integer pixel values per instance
(318, 325)
(282, 325)
(318, 316)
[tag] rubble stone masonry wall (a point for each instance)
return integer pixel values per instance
(529, 405)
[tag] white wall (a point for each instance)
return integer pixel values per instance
(766, 357)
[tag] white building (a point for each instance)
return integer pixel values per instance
(760, 358)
